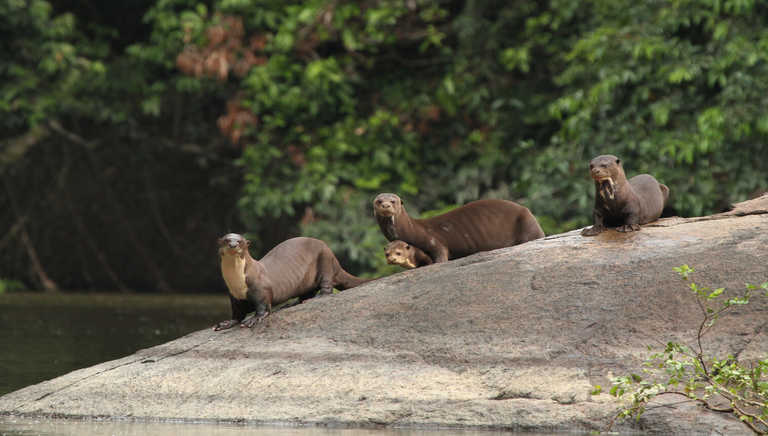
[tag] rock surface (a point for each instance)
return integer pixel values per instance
(511, 339)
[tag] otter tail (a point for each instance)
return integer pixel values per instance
(346, 280)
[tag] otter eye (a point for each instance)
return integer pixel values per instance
(591, 166)
(618, 160)
(407, 247)
(397, 253)
(378, 201)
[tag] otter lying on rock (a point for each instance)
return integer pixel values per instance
(405, 255)
(296, 267)
(621, 203)
(480, 225)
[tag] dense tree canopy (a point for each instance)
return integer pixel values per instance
(135, 133)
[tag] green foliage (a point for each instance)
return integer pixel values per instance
(43, 66)
(407, 97)
(446, 102)
(10, 285)
(315, 106)
(680, 370)
(672, 89)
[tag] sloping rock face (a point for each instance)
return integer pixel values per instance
(512, 339)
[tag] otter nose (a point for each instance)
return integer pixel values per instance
(232, 244)
(386, 205)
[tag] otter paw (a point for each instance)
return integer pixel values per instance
(228, 324)
(626, 228)
(252, 321)
(248, 323)
(592, 231)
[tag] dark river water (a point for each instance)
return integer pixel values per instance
(43, 336)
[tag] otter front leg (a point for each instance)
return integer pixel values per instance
(598, 226)
(239, 310)
(631, 224)
(262, 301)
(626, 228)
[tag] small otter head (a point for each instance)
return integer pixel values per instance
(233, 244)
(387, 205)
(400, 253)
(606, 171)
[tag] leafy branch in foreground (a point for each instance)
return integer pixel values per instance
(689, 372)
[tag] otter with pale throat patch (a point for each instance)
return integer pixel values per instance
(480, 225)
(296, 267)
(621, 203)
(405, 255)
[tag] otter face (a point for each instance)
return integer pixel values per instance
(233, 244)
(387, 205)
(604, 171)
(399, 253)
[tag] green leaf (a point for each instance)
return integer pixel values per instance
(680, 74)
(716, 293)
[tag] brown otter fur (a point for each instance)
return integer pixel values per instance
(477, 226)
(621, 203)
(296, 267)
(407, 256)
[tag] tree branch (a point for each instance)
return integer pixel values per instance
(45, 281)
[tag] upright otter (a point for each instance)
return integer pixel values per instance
(477, 226)
(296, 267)
(405, 255)
(621, 203)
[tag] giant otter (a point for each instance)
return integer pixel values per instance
(621, 203)
(296, 267)
(405, 255)
(477, 226)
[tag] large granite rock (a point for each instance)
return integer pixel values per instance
(512, 339)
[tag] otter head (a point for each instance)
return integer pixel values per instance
(387, 205)
(606, 171)
(400, 253)
(233, 244)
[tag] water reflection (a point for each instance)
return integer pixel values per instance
(43, 336)
(30, 427)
